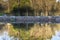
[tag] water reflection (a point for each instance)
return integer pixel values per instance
(5, 36)
(56, 36)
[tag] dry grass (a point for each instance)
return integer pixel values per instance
(44, 32)
(39, 32)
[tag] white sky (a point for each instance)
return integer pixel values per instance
(57, 0)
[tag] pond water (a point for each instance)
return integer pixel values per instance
(4, 36)
(56, 36)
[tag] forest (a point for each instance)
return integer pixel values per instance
(30, 7)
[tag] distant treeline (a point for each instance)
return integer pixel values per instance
(30, 7)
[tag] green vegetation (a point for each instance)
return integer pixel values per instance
(1, 14)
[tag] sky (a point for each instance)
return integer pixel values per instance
(57, 0)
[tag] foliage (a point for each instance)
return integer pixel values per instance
(45, 6)
(24, 3)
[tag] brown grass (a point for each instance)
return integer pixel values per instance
(40, 32)
(44, 32)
